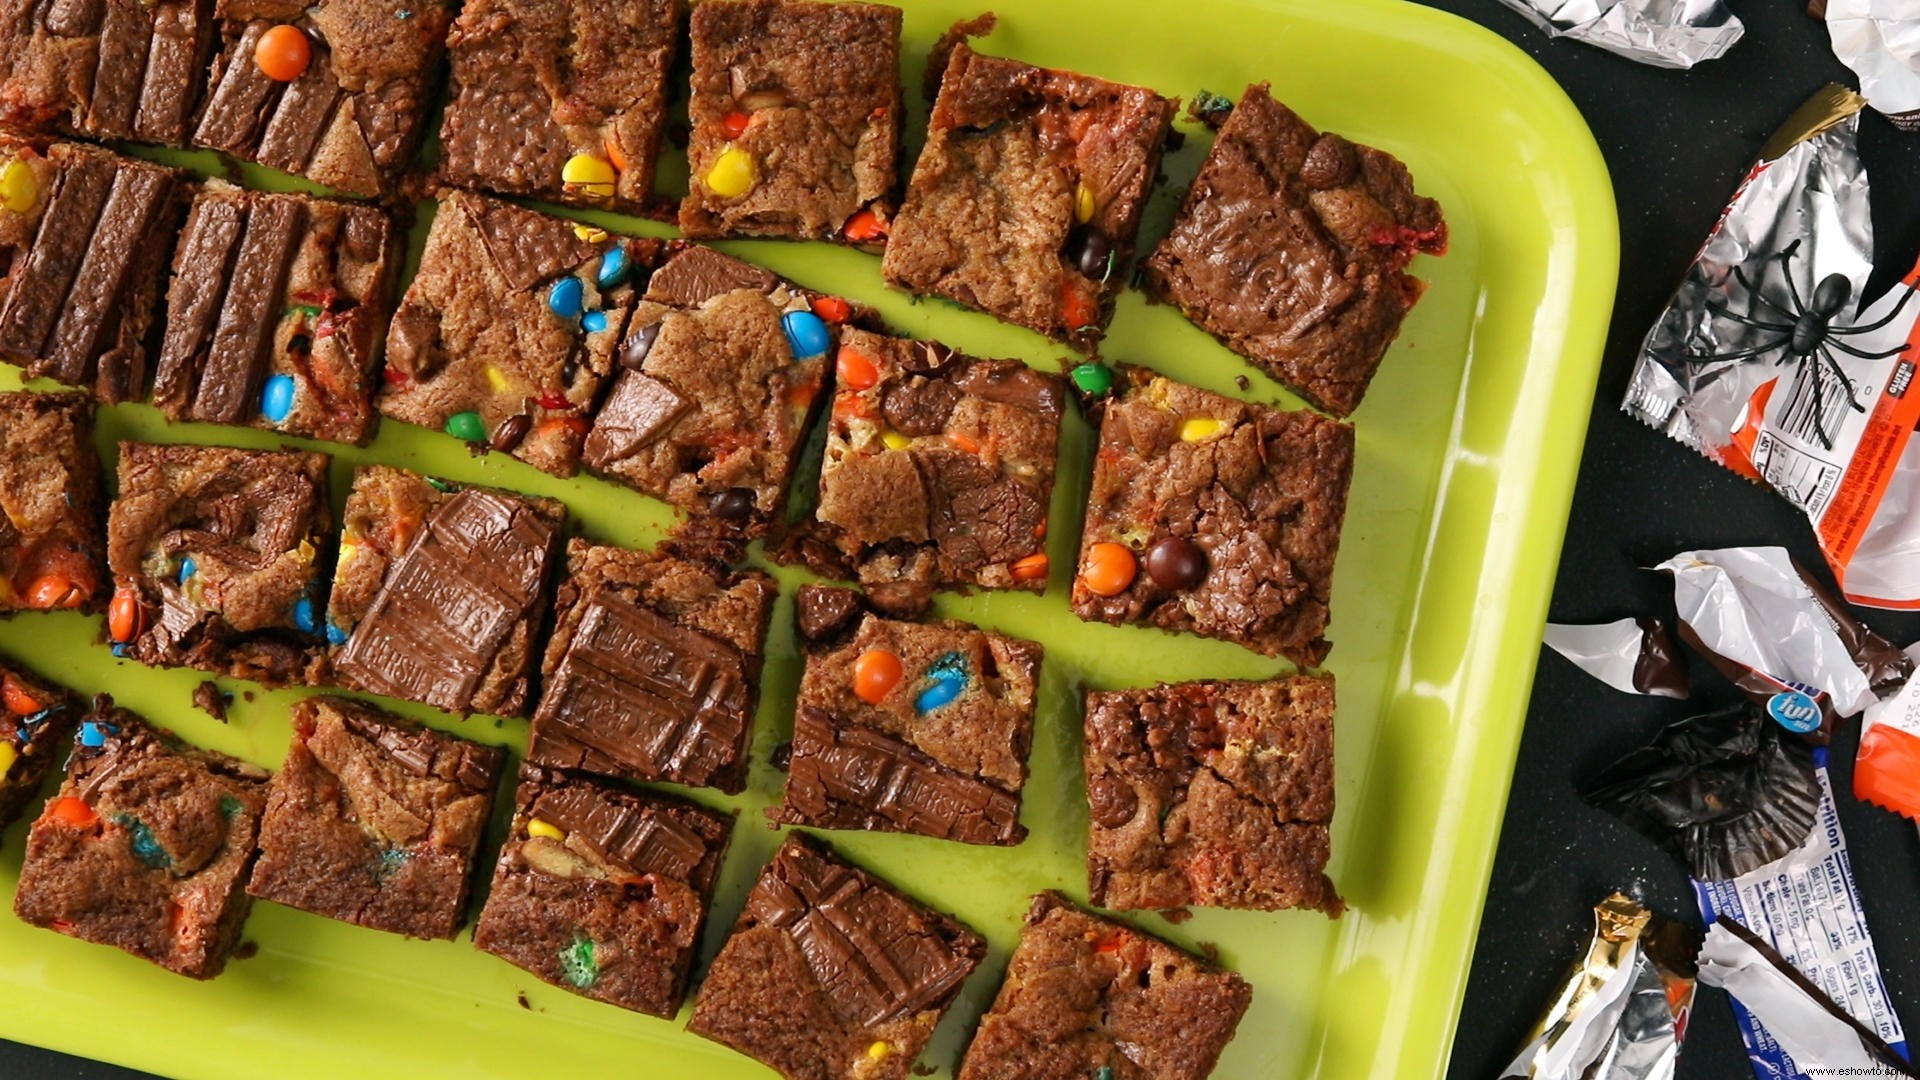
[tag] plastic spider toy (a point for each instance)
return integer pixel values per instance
(1809, 338)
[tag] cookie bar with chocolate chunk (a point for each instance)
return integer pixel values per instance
(939, 466)
(106, 69)
(218, 559)
(52, 545)
(374, 820)
(146, 847)
(909, 727)
(1026, 201)
(831, 972)
(335, 91)
(273, 313)
(653, 668)
(508, 329)
(1214, 516)
(1214, 794)
(84, 236)
(796, 118)
(604, 891)
(720, 371)
(1087, 996)
(35, 720)
(1292, 247)
(439, 590)
(563, 100)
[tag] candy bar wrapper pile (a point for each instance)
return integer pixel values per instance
(1752, 815)
(1624, 1009)
(1762, 364)
(1880, 41)
(1664, 33)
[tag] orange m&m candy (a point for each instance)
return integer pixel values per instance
(283, 53)
(1031, 568)
(1108, 569)
(856, 371)
(13, 694)
(864, 226)
(875, 674)
(71, 811)
(123, 616)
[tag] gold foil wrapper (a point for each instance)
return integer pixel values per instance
(1623, 1011)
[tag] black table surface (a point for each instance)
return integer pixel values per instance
(1677, 143)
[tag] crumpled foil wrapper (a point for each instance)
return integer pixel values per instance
(1623, 1011)
(1664, 33)
(1880, 41)
(1808, 192)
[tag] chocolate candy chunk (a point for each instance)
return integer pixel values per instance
(847, 778)
(455, 608)
(527, 247)
(825, 962)
(640, 411)
(696, 275)
(651, 671)
(918, 406)
(823, 612)
(635, 841)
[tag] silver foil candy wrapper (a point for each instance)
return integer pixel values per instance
(1623, 1010)
(1664, 33)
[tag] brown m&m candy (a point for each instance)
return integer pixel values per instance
(1176, 564)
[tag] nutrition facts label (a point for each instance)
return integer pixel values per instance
(1808, 908)
(1806, 479)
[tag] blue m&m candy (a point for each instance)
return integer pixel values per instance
(303, 616)
(566, 297)
(593, 322)
(806, 334)
(276, 398)
(613, 269)
(187, 569)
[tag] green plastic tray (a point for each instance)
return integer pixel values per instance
(1468, 445)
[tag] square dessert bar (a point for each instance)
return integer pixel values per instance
(84, 236)
(652, 669)
(1087, 996)
(218, 561)
(831, 972)
(909, 727)
(508, 329)
(1026, 201)
(1215, 794)
(52, 549)
(939, 467)
(1214, 516)
(146, 847)
(1292, 247)
(439, 589)
(273, 313)
(35, 718)
(604, 891)
(796, 118)
(335, 91)
(720, 371)
(563, 100)
(374, 820)
(116, 69)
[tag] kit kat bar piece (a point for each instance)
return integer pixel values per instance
(84, 236)
(110, 69)
(274, 312)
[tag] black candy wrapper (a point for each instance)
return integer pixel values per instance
(1722, 791)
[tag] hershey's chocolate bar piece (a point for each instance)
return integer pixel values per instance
(865, 944)
(636, 695)
(622, 833)
(859, 778)
(451, 603)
